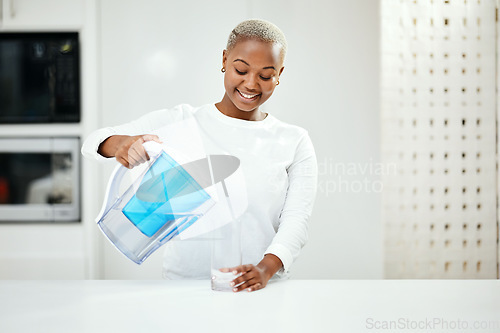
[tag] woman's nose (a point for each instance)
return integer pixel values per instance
(251, 83)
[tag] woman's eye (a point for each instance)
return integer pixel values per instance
(241, 73)
(265, 78)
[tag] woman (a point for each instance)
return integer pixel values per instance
(277, 159)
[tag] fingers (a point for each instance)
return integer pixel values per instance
(255, 287)
(250, 285)
(242, 286)
(123, 162)
(251, 278)
(238, 269)
(151, 137)
(128, 162)
(131, 153)
(133, 157)
(137, 153)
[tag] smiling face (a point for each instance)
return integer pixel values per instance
(252, 68)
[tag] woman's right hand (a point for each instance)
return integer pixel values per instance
(127, 150)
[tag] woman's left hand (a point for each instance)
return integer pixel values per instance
(253, 277)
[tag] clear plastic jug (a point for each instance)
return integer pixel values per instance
(161, 199)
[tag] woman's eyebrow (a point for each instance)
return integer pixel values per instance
(243, 61)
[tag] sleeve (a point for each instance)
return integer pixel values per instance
(91, 144)
(144, 125)
(292, 232)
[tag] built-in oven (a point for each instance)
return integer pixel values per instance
(39, 179)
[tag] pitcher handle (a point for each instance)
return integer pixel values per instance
(112, 190)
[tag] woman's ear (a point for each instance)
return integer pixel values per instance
(224, 58)
(281, 70)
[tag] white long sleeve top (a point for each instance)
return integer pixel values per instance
(280, 169)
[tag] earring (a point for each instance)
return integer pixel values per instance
(223, 70)
(277, 82)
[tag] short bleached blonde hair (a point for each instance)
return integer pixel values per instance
(258, 29)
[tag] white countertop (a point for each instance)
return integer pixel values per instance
(285, 306)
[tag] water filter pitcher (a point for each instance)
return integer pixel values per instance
(148, 205)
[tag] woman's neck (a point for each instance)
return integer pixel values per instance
(227, 107)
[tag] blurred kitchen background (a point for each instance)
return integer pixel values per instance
(399, 97)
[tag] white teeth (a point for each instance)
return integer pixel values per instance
(247, 96)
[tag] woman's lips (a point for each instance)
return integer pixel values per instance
(248, 97)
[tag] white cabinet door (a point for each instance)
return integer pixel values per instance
(41, 14)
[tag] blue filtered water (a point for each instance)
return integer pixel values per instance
(167, 192)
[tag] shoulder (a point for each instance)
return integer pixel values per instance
(296, 137)
(287, 130)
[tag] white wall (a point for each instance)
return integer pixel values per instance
(157, 54)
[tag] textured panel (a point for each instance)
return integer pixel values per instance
(439, 129)
(498, 143)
